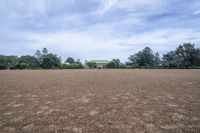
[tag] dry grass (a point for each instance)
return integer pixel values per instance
(113, 101)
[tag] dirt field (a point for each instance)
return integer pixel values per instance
(113, 101)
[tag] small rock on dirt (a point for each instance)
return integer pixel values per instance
(93, 112)
(10, 130)
(77, 130)
(28, 128)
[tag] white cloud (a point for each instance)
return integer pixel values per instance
(117, 28)
(130, 5)
(105, 6)
(196, 12)
(90, 45)
(162, 40)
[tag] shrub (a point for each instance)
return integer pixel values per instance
(91, 64)
(23, 65)
(72, 66)
(2, 67)
(111, 64)
(135, 65)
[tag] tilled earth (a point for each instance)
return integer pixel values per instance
(107, 101)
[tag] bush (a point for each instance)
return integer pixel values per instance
(22, 65)
(122, 66)
(72, 66)
(2, 67)
(111, 64)
(135, 66)
(91, 64)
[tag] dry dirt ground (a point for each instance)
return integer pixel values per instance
(106, 101)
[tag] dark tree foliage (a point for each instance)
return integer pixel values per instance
(38, 54)
(50, 61)
(157, 60)
(169, 60)
(185, 56)
(47, 60)
(44, 60)
(115, 63)
(145, 58)
(31, 61)
(75, 65)
(22, 65)
(111, 64)
(70, 60)
(91, 64)
(3, 62)
(79, 64)
(45, 51)
(8, 62)
(197, 60)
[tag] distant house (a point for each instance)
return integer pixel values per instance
(100, 63)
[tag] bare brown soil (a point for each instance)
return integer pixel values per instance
(111, 101)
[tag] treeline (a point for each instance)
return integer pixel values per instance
(185, 56)
(114, 64)
(41, 60)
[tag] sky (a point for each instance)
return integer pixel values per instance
(97, 29)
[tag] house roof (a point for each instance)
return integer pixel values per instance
(100, 61)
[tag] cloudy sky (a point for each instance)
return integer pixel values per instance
(97, 29)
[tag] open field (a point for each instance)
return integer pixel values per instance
(113, 101)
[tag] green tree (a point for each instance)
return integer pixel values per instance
(32, 61)
(39, 57)
(8, 62)
(75, 65)
(185, 56)
(144, 58)
(3, 62)
(197, 59)
(169, 60)
(157, 60)
(70, 60)
(79, 65)
(38, 54)
(22, 65)
(2, 66)
(91, 64)
(115, 63)
(111, 64)
(45, 51)
(50, 61)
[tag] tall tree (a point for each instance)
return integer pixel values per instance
(31, 61)
(111, 64)
(8, 62)
(3, 62)
(78, 63)
(115, 63)
(38, 54)
(91, 64)
(144, 58)
(197, 59)
(185, 56)
(70, 60)
(169, 60)
(45, 51)
(51, 61)
(157, 59)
